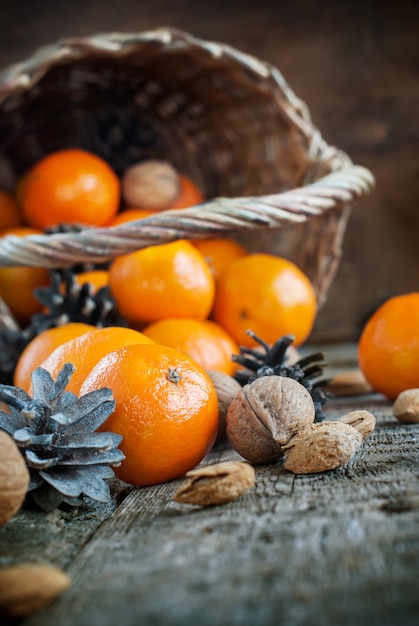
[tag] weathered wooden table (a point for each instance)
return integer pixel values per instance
(335, 548)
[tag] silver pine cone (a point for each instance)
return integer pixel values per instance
(64, 301)
(55, 431)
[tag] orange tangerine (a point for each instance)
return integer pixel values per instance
(17, 284)
(170, 280)
(70, 186)
(87, 350)
(9, 213)
(388, 350)
(130, 215)
(266, 294)
(166, 411)
(189, 194)
(39, 349)
(219, 252)
(204, 341)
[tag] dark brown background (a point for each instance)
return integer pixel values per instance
(356, 65)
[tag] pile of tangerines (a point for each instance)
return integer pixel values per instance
(188, 305)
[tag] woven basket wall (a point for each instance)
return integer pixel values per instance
(224, 118)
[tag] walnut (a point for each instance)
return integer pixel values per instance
(321, 447)
(27, 588)
(265, 414)
(14, 478)
(150, 185)
(227, 388)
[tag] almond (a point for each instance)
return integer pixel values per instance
(321, 447)
(28, 588)
(363, 421)
(350, 383)
(216, 484)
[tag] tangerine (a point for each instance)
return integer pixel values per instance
(97, 278)
(219, 252)
(9, 213)
(205, 342)
(269, 295)
(169, 280)
(166, 411)
(189, 194)
(388, 349)
(70, 186)
(130, 215)
(38, 350)
(87, 350)
(17, 284)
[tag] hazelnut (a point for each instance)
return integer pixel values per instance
(14, 478)
(227, 388)
(150, 185)
(406, 406)
(265, 414)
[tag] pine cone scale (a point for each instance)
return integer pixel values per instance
(56, 432)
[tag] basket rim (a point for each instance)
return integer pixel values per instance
(25, 74)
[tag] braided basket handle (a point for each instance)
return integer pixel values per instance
(217, 217)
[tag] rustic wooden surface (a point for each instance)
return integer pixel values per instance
(340, 547)
(354, 63)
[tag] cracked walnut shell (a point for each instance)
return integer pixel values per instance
(265, 414)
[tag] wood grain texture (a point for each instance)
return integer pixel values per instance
(335, 548)
(354, 64)
(54, 538)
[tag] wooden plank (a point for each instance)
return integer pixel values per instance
(336, 548)
(55, 537)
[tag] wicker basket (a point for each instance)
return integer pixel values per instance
(222, 117)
